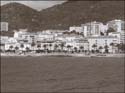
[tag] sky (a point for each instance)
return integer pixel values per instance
(38, 5)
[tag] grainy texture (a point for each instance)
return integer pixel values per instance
(58, 74)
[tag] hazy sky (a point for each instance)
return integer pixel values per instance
(39, 5)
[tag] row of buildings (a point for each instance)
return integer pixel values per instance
(87, 37)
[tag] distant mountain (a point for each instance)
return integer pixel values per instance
(61, 16)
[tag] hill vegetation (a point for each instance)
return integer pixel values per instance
(61, 16)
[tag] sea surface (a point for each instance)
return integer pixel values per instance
(62, 74)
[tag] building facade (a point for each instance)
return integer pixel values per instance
(93, 28)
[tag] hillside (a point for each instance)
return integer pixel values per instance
(78, 12)
(61, 16)
(19, 16)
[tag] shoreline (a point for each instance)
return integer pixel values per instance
(63, 55)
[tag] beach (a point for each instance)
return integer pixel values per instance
(119, 55)
(62, 74)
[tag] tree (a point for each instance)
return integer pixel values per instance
(33, 45)
(62, 46)
(55, 47)
(27, 49)
(121, 47)
(75, 49)
(110, 30)
(81, 48)
(106, 48)
(100, 48)
(69, 47)
(102, 34)
(38, 46)
(22, 46)
(11, 48)
(118, 47)
(112, 45)
(50, 45)
(16, 48)
(94, 46)
(45, 47)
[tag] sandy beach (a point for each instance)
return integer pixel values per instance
(61, 55)
(62, 74)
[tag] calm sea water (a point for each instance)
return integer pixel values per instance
(62, 74)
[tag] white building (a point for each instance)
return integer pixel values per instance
(93, 28)
(4, 26)
(122, 37)
(117, 25)
(3, 41)
(76, 29)
(117, 35)
(11, 43)
(102, 41)
(45, 36)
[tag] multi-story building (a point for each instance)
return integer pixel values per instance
(117, 25)
(122, 37)
(93, 28)
(4, 26)
(3, 41)
(102, 41)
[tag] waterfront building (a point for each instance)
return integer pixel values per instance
(3, 41)
(96, 42)
(11, 43)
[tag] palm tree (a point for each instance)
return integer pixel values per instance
(75, 49)
(112, 45)
(33, 45)
(38, 46)
(45, 47)
(106, 48)
(62, 46)
(11, 48)
(16, 48)
(55, 47)
(118, 47)
(50, 45)
(81, 48)
(69, 47)
(94, 46)
(100, 48)
(121, 47)
(22, 46)
(27, 49)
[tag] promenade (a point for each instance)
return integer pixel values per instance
(61, 55)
